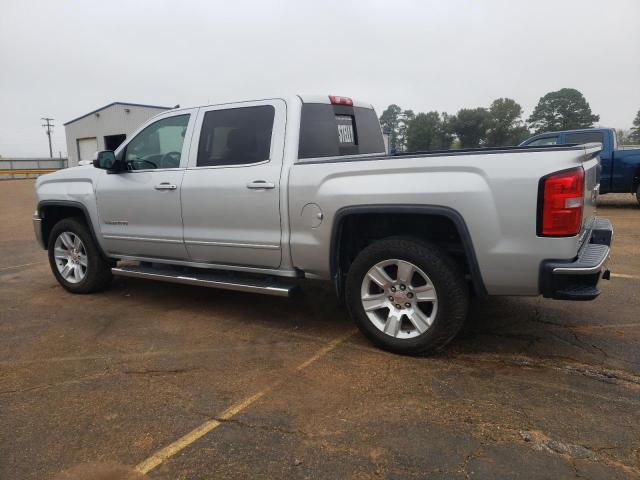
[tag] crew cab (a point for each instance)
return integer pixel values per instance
(620, 165)
(256, 195)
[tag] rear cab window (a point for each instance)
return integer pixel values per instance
(551, 140)
(584, 137)
(328, 130)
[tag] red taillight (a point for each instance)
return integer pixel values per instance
(562, 202)
(336, 100)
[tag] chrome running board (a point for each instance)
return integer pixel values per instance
(220, 280)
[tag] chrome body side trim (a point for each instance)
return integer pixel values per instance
(230, 244)
(141, 239)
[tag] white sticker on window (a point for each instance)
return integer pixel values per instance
(345, 130)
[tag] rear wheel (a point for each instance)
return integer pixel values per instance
(406, 296)
(74, 258)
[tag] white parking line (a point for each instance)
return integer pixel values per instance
(624, 275)
(20, 266)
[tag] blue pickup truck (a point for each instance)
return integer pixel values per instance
(620, 166)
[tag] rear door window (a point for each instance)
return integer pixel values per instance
(337, 130)
(584, 137)
(236, 136)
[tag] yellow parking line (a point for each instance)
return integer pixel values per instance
(173, 448)
(624, 275)
(33, 171)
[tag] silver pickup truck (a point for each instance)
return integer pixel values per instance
(254, 195)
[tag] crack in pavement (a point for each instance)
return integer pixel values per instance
(499, 433)
(595, 372)
(162, 371)
(571, 452)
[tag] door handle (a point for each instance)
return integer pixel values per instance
(260, 184)
(165, 186)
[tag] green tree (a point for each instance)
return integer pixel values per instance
(504, 123)
(390, 123)
(429, 131)
(562, 110)
(622, 137)
(405, 119)
(470, 126)
(634, 136)
(445, 135)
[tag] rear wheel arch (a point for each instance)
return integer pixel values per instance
(406, 295)
(443, 217)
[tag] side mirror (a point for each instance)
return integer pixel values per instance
(106, 160)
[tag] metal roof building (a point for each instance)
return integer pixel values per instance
(105, 128)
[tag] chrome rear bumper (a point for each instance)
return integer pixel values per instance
(578, 279)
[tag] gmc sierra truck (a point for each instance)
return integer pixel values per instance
(620, 165)
(255, 195)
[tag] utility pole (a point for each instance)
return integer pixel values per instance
(48, 125)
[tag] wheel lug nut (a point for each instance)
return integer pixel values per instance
(398, 306)
(402, 287)
(407, 304)
(393, 289)
(390, 298)
(409, 295)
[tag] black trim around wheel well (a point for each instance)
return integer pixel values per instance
(69, 204)
(433, 210)
(635, 186)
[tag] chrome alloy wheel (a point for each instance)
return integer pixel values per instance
(71, 257)
(399, 298)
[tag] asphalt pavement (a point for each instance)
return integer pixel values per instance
(161, 381)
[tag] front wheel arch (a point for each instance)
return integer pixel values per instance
(95, 272)
(52, 211)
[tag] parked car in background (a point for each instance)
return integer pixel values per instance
(620, 165)
(256, 195)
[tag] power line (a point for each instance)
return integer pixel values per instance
(48, 125)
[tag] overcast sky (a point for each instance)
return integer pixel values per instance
(63, 59)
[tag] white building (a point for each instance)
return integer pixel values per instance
(105, 128)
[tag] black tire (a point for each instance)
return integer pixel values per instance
(98, 271)
(638, 195)
(448, 281)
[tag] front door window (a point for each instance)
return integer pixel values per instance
(157, 146)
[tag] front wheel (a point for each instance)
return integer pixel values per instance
(407, 296)
(74, 258)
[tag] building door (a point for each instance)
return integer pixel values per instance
(112, 142)
(87, 148)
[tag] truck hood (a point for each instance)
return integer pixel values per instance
(82, 172)
(72, 184)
